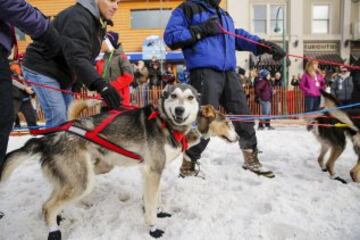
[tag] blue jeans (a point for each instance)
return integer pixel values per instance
(265, 110)
(312, 103)
(54, 103)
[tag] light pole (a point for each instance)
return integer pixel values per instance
(277, 29)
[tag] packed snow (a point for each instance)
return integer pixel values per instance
(300, 203)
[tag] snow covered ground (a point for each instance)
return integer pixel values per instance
(301, 203)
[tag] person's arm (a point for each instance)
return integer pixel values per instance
(18, 84)
(244, 45)
(25, 17)
(77, 49)
(303, 83)
(333, 86)
(180, 34)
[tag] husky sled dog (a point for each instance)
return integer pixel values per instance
(333, 139)
(71, 162)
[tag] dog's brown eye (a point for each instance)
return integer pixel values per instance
(190, 97)
(173, 96)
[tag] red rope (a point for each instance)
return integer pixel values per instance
(289, 55)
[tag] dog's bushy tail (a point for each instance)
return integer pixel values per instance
(14, 158)
(78, 106)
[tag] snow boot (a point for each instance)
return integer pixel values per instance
(252, 163)
(189, 167)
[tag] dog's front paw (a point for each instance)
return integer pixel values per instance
(56, 235)
(163, 215)
(156, 233)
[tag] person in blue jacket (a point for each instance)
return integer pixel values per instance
(17, 13)
(194, 26)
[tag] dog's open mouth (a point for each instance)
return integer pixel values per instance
(180, 119)
(228, 139)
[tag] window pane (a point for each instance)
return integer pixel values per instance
(321, 12)
(153, 18)
(260, 12)
(320, 26)
(273, 26)
(260, 26)
(274, 9)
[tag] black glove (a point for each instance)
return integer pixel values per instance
(51, 40)
(275, 50)
(207, 28)
(257, 99)
(108, 93)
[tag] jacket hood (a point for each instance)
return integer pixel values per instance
(91, 6)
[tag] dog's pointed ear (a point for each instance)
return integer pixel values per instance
(165, 92)
(208, 111)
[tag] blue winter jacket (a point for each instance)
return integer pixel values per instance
(22, 15)
(217, 51)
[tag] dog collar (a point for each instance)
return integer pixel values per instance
(175, 136)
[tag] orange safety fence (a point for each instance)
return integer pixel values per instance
(284, 101)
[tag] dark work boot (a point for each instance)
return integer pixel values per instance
(252, 163)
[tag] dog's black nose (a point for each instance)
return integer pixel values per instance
(179, 111)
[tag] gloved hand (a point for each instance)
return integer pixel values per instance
(108, 93)
(52, 41)
(275, 50)
(207, 28)
(257, 99)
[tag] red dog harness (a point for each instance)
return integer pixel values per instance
(93, 135)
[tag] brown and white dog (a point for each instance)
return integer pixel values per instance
(333, 139)
(71, 162)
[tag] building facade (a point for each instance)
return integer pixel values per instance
(325, 29)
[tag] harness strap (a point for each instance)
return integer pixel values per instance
(91, 135)
(175, 135)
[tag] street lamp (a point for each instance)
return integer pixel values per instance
(277, 29)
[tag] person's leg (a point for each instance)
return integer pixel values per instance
(267, 111)
(17, 105)
(6, 104)
(308, 103)
(235, 103)
(68, 98)
(209, 84)
(29, 113)
(51, 101)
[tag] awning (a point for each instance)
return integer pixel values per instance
(329, 57)
(174, 56)
(266, 60)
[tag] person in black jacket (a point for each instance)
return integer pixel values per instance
(82, 28)
(20, 14)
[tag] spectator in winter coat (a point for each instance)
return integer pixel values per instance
(355, 74)
(194, 26)
(115, 67)
(22, 95)
(342, 86)
(154, 73)
(264, 92)
(311, 83)
(294, 81)
(80, 27)
(20, 14)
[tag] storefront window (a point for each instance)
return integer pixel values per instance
(149, 18)
(264, 18)
(260, 18)
(320, 21)
(273, 12)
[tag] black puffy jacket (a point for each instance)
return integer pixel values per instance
(81, 34)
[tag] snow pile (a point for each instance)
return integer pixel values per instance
(300, 203)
